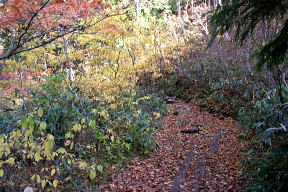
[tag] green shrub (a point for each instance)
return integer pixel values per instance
(267, 160)
(68, 133)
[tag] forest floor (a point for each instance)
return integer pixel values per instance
(206, 161)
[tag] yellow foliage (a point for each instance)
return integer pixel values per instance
(108, 59)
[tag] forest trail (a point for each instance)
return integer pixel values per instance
(205, 161)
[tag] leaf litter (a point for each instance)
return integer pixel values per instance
(215, 163)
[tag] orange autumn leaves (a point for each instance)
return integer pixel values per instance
(47, 14)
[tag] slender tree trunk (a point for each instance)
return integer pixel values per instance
(209, 4)
(220, 2)
(186, 6)
(284, 80)
(278, 77)
(217, 3)
(138, 9)
(45, 63)
(20, 76)
(203, 23)
(21, 94)
(12, 45)
(68, 61)
(2, 65)
(179, 8)
(192, 6)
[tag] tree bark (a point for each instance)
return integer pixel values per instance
(68, 61)
(186, 6)
(209, 4)
(138, 9)
(192, 6)
(179, 8)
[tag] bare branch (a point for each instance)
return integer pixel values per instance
(16, 50)
(26, 29)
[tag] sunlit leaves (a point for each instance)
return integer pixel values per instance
(76, 128)
(48, 146)
(43, 183)
(61, 150)
(40, 112)
(37, 156)
(92, 123)
(108, 59)
(38, 178)
(50, 137)
(116, 55)
(11, 161)
(33, 177)
(43, 149)
(112, 138)
(100, 168)
(42, 126)
(55, 183)
(69, 135)
(53, 171)
(92, 174)
(68, 142)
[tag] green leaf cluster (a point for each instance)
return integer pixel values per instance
(267, 159)
(65, 134)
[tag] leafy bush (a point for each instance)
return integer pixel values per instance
(267, 161)
(61, 133)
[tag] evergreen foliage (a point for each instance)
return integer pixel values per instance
(245, 15)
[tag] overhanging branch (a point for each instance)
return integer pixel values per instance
(20, 43)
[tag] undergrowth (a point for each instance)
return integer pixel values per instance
(59, 134)
(267, 159)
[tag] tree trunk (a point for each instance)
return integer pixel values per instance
(278, 78)
(20, 76)
(186, 6)
(3, 64)
(179, 8)
(217, 3)
(220, 2)
(68, 62)
(284, 80)
(209, 4)
(138, 9)
(192, 6)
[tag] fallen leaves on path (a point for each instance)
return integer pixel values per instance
(216, 154)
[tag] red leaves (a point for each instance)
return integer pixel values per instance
(58, 1)
(49, 14)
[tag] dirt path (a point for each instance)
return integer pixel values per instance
(209, 161)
